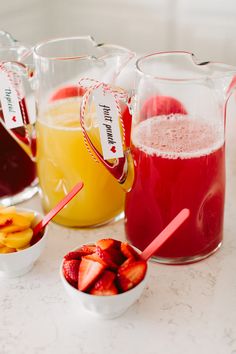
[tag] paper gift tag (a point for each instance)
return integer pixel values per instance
(109, 123)
(12, 100)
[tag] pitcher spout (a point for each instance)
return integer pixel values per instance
(116, 57)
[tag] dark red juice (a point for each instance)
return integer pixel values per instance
(179, 163)
(17, 171)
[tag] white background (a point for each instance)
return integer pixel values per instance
(205, 27)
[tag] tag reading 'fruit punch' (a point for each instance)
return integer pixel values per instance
(109, 123)
(9, 102)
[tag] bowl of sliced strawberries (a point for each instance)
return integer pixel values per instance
(19, 247)
(105, 277)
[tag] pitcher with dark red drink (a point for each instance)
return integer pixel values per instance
(178, 152)
(17, 169)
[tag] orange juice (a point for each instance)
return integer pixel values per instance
(63, 160)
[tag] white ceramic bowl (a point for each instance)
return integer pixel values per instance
(19, 263)
(105, 307)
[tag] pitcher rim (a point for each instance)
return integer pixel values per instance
(38, 46)
(232, 69)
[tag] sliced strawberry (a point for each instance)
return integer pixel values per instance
(106, 257)
(107, 243)
(128, 251)
(95, 257)
(105, 284)
(88, 249)
(161, 105)
(116, 256)
(112, 290)
(129, 275)
(128, 261)
(67, 91)
(89, 271)
(74, 255)
(79, 253)
(71, 270)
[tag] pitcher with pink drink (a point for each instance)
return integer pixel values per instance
(178, 152)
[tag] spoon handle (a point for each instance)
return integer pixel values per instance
(58, 207)
(165, 234)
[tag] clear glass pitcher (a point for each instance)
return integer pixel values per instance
(18, 180)
(62, 156)
(178, 152)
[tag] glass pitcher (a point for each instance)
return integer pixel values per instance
(178, 152)
(62, 156)
(18, 180)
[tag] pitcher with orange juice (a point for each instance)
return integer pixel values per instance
(63, 158)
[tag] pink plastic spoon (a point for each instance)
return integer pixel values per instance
(165, 234)
(57, 208)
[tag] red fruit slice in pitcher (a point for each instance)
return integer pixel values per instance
(67, 92)
(161, 105)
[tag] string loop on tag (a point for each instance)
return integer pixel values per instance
(91, 85)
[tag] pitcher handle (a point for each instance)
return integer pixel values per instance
(14, 111)
(122, 168)
(6, 39)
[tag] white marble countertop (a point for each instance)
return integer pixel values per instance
(185, 309)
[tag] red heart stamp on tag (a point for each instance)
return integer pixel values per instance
(113, 149)
(14, 119)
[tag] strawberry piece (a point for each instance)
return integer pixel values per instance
(129, 275)
(74, 255)
(95, 257)
(105, 285)
(116, 256)
(128, 261)
(71, 270)
(112, 290)
(67, 91)
(128, 251)
(78, 254)
(107, 243)
(161, 105)
(106, 257)
(88, 249)
(89, 270)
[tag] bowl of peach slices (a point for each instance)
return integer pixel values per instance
(19, 247)
(105, 278)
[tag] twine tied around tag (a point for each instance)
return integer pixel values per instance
(91, 85)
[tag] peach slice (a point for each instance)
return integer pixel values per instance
(17, 239)
(6, 249)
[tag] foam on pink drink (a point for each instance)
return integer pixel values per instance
(177, 136)
(179, 163)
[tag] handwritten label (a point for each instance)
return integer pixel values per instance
(109, 123)
(9, 102)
